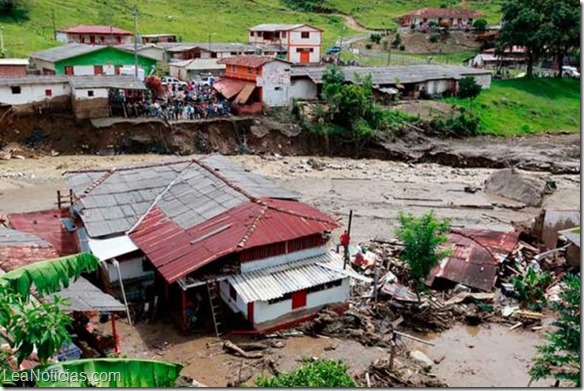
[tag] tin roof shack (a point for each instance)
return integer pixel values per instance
(158, 38)
(413, 81)
(13, 67)
(77, 59)
(209, 228)
(255, 79)
(94, 97)
(455, 18)
(94, 35)
(34, 94)
(477, 255)
(573, 251)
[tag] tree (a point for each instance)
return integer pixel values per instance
(422, 237)
(524, 24)
(480, 24)
(560, 355)
(469, 89)
(316, 373)
(563, 28)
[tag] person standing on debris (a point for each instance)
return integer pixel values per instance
(344, 240)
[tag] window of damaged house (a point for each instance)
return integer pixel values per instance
(305, 35)
(233, 68)
(15, 90)
(68, 70)
(90, 93)
(48, 92)
(249, 70)
(283, 34)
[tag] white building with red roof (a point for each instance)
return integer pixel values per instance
(456, 18)
(94, 35)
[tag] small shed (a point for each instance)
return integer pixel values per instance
(193, 69)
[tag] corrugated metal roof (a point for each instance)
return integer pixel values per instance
(254, 184)
(229, 87)
(253, 61)
(110, 248)
(59, 53)
(389, 75)
(33, 79)
(83, 296)
(12, 237)
(198, 63)
(95, 29)
(573, 235)
(177, 252)
(275, 27)
(476, 257)
(18, 249)
(274, 282)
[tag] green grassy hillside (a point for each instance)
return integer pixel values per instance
(226, 20)
(524, 106)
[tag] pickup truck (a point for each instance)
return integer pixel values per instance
(181, 85)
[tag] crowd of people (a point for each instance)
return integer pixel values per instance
(195, 101)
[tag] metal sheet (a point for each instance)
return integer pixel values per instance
(274, 282)
(244, 94)
(110, 248)
(83, 296)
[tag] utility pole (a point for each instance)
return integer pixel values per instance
(135, 14)
(54, 26)
(346, 255)
(209, 41)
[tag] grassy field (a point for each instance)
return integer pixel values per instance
(525, 106)
(225, 20)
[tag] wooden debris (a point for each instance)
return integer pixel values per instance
(528, 314)
(251, 346)
(237, 351)
(518, 324)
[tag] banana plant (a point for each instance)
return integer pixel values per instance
(106, 372)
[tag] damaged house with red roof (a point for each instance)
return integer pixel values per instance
(209, 231)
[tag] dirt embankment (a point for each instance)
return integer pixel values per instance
(62, 133)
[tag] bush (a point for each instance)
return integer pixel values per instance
(480, 25)
(468, 88)
(434, 38)
(397, 41)
(317, 373)
(375, 38)
(402, 47)
(368, 46)
(462, 125)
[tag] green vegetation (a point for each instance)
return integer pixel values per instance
(530, 289)
(317, 373)
(29, 26)
(422, 238)
(458, 125)
(560, 356)
(520, 106)
(480, 24)
(544, 27)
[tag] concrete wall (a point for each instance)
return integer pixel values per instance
(34, 93)
(85, 106)
(237, 306)
(130, 269)
(313, 42)
(264, 312)
(483, 80)
(98, 39)
(303, 89)
(107, 56)
(275, 82)
(437, 87)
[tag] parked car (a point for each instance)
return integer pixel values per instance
(181, 85)
(206, 80)
(334, 50)
(571, 71)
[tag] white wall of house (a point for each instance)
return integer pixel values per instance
(303, 89)
(312, 43)
(40, 64)
(264, 312)
(84, 93)
(61, 37)
(83, 70)
(33, 93)
(158, 53)
(237, 306)
(131, 268)
(437, 87)
(484, 80)
(275, 82)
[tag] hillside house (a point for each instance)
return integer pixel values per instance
(158, 38)
(514, 56)
(456, 18)
(149, 50)
(194, 69)
(207, 229)
(303, 43)
(94, 35)
(255, 80)
(193, 51)
(412, 81)
(79, 60)
(86, 96)
(13, 67)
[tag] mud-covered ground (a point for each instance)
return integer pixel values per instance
(376, 191)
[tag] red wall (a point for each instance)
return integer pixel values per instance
(242, 72)
(13, 70)
(280, 248)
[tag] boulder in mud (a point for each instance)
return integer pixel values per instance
(509, 183)
(421, 359)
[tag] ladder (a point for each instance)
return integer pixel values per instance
(216, 308)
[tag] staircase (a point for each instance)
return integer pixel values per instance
(216, 307)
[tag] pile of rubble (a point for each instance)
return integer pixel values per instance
(403, 373)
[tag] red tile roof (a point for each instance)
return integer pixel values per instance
(444, 13)
(476, 257)
(248, 61)
(47, 225)
(176, 252)
(95, 29)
